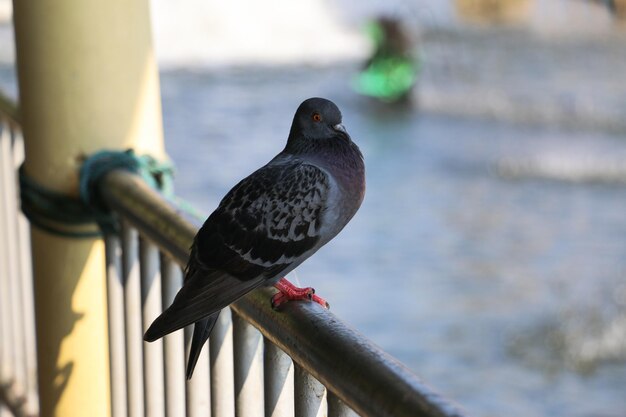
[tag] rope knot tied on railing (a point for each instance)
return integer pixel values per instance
(60, 214)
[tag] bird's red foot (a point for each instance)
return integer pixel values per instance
(289, 292)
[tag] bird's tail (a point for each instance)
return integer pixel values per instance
(201, 332)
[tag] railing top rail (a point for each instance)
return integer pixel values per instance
(358, 372)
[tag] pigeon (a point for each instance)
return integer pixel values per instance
(269, 223)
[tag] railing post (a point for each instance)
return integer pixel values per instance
(132, 321)
(117, 342)
(153, 375)
(279, 380)
(337, 408)
(26, 281)
(87, 81)
(8, 321)
(199, 387)
(173, 344)
(222, 367)
(310, 395)
(248, 357)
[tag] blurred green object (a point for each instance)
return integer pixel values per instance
(390, 74)
(389, 78)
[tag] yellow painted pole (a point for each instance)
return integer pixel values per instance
(88, 80)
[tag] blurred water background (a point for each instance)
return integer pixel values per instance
(490, 252)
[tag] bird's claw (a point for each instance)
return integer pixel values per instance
(281, 297)
(319, 300)
(288, 292)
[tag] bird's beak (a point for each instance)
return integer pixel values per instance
(340, 128)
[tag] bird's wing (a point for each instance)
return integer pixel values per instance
(264, 224)
(270, 218)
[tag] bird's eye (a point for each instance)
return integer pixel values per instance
(316, 117)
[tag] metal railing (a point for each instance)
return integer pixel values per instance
(18, 369)
(301, 361)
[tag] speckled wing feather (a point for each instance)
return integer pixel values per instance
(268, 221)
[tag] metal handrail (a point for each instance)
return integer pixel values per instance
(355, 370)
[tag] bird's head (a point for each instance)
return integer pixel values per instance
(317, 119)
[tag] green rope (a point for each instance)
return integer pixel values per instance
(157, 174)
(54, 212)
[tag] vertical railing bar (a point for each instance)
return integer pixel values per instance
(152, 352)
(173, 345)
(6, 347)
(132, 321)
(10, 309)
(222, 366)
(5, 358)
(279, 382)
(26, 281)
(117, 342)
(11, 231)
(248, 360)
(337, 408)
(310, 395)
(199, 387)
